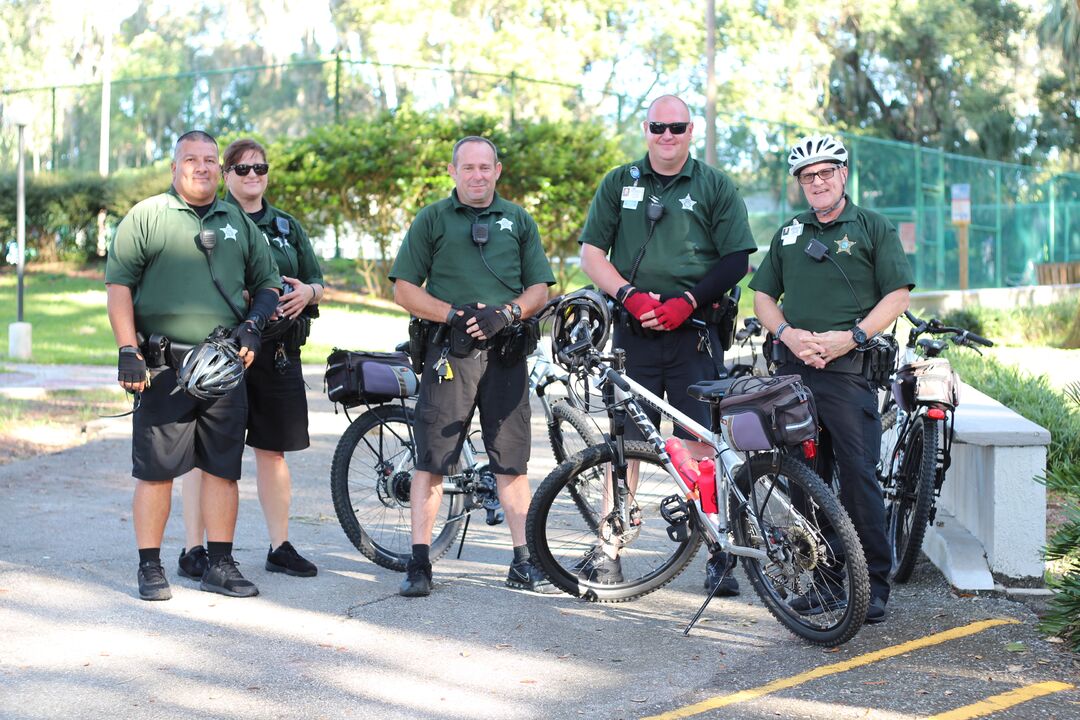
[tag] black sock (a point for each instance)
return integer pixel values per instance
(521, 554)
(149, 554)
(217, 550)
(420, 553)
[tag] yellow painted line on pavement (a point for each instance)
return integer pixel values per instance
(826, 670)
(994, 703)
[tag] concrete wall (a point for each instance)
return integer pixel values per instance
(999, 298)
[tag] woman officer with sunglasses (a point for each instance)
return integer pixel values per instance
(277, 405)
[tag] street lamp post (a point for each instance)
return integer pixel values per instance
(19, 332)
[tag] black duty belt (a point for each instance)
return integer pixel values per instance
(851, 363)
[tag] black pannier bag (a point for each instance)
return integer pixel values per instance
(761, 413)
(354, 378)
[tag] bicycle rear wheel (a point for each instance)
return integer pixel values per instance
(370, 480)
(815, 580)
(572, 509)
(909, 495)
(571, 433)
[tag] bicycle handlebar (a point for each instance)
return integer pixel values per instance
(933, 326)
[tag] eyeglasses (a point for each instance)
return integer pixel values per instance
(676, 128)
(808, 178)
(243, 170)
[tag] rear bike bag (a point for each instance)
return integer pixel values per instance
(762, 413)
(354, 378)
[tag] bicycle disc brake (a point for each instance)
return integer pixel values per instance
(392, 488)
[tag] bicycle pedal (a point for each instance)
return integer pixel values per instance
(495, 517)
(676, 513)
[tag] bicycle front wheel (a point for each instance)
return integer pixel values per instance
(573, 529)
(910, 494)
(370, 481)
(814, 580)
(571, 431)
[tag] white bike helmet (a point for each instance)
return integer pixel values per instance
(211, 369)
(582, 321)
(814, 149)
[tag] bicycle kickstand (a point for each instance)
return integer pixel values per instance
(464, 532)
(708, 599)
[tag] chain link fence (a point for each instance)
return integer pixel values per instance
(1025, 223)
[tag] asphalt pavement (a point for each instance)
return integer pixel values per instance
(77, 642)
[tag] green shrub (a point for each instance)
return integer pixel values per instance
(1042, 325)
(966, 318)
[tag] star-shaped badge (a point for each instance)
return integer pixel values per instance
(688, 202)
(843, 245)
(229, 232)
(505, 224)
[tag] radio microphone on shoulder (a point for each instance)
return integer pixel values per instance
(208, 239)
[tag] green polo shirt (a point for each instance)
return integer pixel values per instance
(438, 250)
(704, 219)
(292, 250)
(156, 253)
(816, 297)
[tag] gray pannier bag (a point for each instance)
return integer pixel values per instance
(762, 413)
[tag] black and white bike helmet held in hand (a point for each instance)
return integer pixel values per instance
(814, 149)
(211, 369)
(581, 321)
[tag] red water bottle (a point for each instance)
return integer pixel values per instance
(680, 458)
(707, 485)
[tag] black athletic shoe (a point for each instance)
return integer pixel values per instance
(193, 563)
(876, 613)
(597, 567)
(717, 565)
(286, 560)
(417, 582)
(526, 576)
(819, 600)
(152, 582)
(224, 577)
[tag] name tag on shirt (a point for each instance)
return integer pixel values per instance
(791, 233)
(631, 196)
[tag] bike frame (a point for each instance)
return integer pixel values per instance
(628, 394)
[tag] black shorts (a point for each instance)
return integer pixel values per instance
(173, 433)
(277, 416)
(445, 410)
(666, 364)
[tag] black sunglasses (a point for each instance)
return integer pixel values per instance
(243, 170)
(658, 128)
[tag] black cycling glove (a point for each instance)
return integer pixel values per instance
(131, 367)
(458, 322)
(491, 319)
(248, 336)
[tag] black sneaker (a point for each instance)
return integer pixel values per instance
(526, 576)
(599, 568)
(224, 577)
(719, 564)
(417, 582)
(286, 560)
(819, 600)
(193, 564)
(152, 582)
(876, 613)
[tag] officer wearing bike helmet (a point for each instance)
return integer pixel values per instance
(473, 265)
(842, 275)
(667, 236)
(177, 269)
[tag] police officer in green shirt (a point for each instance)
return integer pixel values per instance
(667, 236)
(843, 278)
(472, 264)
(277, 397)
(160, 285)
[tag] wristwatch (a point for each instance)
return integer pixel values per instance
(515, 312)
(858, 334)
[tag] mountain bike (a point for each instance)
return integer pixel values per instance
(917, 418)
(605, 537)
(374, 463)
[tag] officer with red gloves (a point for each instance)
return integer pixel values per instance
(667, 236)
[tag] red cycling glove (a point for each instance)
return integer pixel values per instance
(637, 303)
(674, 312)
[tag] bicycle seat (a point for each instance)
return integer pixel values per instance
(710, 390)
